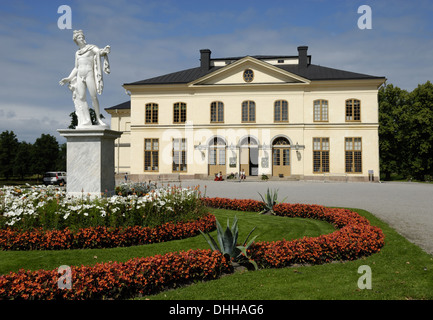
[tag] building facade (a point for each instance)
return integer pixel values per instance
(279, 116)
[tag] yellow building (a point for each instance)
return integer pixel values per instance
(279, 116)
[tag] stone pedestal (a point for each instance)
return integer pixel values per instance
(90, 160)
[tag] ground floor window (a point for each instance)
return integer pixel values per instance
(353, 151)
(320, 155)
(151, 154)
(179, 155)
(217, 156)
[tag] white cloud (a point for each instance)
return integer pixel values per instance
(28, 122)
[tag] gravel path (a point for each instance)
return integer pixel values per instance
(406, 207)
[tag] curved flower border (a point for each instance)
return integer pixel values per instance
(354, 238)
(101, 237)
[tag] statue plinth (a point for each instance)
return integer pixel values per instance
(90, 160)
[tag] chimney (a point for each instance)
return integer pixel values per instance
(303, 58)
(205, 59)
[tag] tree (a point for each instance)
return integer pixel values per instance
(392, 102)
(8, 148)
(45, 154)
(23, 160)
(406, 131)
(417, 126)
(61, 161)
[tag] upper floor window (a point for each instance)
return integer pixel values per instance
(179, 112)
(217, 111)
(248, 111)
(281, 111)
(321, 110)
(248, 75)
(353, 110)
(151, 113)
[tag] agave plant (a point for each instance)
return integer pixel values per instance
(270, 199)
(227, 243)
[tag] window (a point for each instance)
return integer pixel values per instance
(321, 110)
(217, 152)
(179, 155)
(179, 112)
(320, 155)
(281, 152)
(281, 111)
(248, 111)
(353, 153)
(277, 154)
(151, 154)
(217, 111)
(151, 113)
(353, 110)
(248, 75)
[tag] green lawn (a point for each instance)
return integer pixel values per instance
(400, 271)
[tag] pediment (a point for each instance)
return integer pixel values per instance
(263, 73)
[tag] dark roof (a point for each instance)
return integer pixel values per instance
(311, 72)
(123, 105)
(316, 72)
(259, 57)
(184, 76)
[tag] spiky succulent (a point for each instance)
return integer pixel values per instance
(227, 243)
(270, 199)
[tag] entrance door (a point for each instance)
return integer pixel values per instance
(254, 161)
(249, 156)
(217, 156)
(281, 157)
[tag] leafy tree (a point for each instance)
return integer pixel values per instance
(23, 160)
(417, 126)
(406, 131)
(61, 161)
(392, 102)
(45, 154)
(8, 148)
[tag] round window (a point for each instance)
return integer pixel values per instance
(248, 75)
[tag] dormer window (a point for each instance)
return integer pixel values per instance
(248, 75)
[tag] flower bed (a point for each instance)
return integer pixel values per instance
(113, 280)
(234, 204)
(354, 238)
(50, 208)
(101, 237)
(45, 218)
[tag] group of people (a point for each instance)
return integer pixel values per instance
(219, 176)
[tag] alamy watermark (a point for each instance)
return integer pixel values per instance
(65, 20)
(65, 279)
(364, 281)
(365, 21)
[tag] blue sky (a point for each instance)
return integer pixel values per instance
(150, 38)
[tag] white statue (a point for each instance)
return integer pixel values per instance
(87, 73)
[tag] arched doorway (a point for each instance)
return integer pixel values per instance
(249, 156)
(281, 157)
(217, 156)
